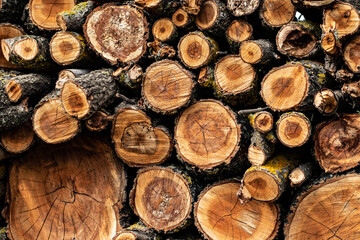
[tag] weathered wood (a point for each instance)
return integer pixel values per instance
(5, 76)
(260, 51)
(8, 30)
(19, 139)
(73, 20)
(261, 148)
(191, 6)
(130, 76)
(159, 51)
(241, 8)
(327, 101)
(66, 74)
(98, 121)
(352, 55)
(14, 115)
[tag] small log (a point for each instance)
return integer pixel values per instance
(242, 8)
(14, 116)
(98, 121)
(51, 123)
(330, 43)
(162, 198)
(182, 19)
(160, 51)
(292, 86)
(336, 143)
(8, 30)
(352, 55)
(11, 10)
(74, 19)
(260, 51)
(196, 50)
(261, 148)
(19, 139)
(313, 3)
(167, 87)
(5, 76)
(299, 39)
(44, 15)
(261, 121)
(164, 30)
(136, 141)
(352, 89)
(130, 77)
(327, 101)
(237, 32)
(342, 18)
(81, 97)
(66, 74)
(114, 35)
(220, 215)
(276, 13)
(301, 174)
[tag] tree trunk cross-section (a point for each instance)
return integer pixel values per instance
(8, 31)
(68, 191)
(276, 13)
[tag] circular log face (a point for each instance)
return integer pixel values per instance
(117, 33)
(239, 30)
(19, 139)
(74, 99)
(68, 191)
(261, 185)
(180, 18)
(65, 48)
(328, 210)
(208, 14)
(167, 86)
(277, 12)
(220, 215)
(161, 198)
(207, 134)
(352, 55)
(163, 29)
(285, 87)
(251, 52)
(263, 122)
(8, 31)
(293, 130)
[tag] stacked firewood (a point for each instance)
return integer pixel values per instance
(180, 119)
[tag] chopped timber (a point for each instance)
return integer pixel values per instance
(196, 50)
(130, 76)
(293, 129)
(117, 33)
(162, 198)
(292, 86)
(43, 14)
(276, 13)
(327, 101)
(8, 30)
(352, 54)
(167, 87)
(261, 148)
(207, 134)
(14, 115)
(260, 51)
(67, 181)
(182, 19)
(301, 174)
(237, 32)
(83, 96)
(261, 121)
(98, 121)
(266, 182)
(327, 209)
(73, 20)
(5, 76)
(299, 39)
(314, 3)
(330, 43)
(136, 141)
(51, 123)
(220, 215)
(241, 8)
(336, 143)
(19, 139)
(164, 30)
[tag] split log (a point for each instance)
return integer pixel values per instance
(5, 76)
(67, 181)
(117, 33)
(314, 3)
(292, 86)
(237, 32)
(327, 101)
(276, 13)
(159, 51)
(220, 215)
(74, 19)
(336, 143)
(8, 30)
(19, 139)
(43, 14)
(196, 50)
(11, 10)
(162, 198)
(259, 51)
(293, 129)
(182, 19)
(261, 121)
(241, 8)
(130, 76)
(261, 148)
(164, 30)
(14, 115)
(301, 174)
(98, 121)
(51, 123)
(352, 55)
(328, 209)
(167, 87)
(81, 97)
(136, 141)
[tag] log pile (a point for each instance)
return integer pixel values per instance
(179, 119)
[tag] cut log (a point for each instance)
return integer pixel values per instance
(182, 19)
(327, 210)
(261, 121)
(237, 32)
(241, 8)
(293, 129)
(5, 76)
(81, 97)
(73, 20)
(259, 51)
(314, 3)
(292, 86)
(43, 14)
(342, 18)
(207, 134)
(299, 39)
(130, 76)
(117, 33)
(167, 87)
(18, 140)
(14, 116)
(336, 143)
(69, 48)
(164, 30)
(330, 43)
(327, 101)
(51, 123)
(261, 148)
(301, 174)
(266, 182)
(196, 50)
(8, 31)
(352, 55)
(276, 13)
(162, 198)
(220, 215)
(98, 121)
(136, 142)
(67, 181)
(27, 85)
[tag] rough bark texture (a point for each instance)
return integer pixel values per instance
(240, 8)
(259, 51)
(14, 116)
(261, 148)
(5, 76)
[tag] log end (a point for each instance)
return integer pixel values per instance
(74, 100)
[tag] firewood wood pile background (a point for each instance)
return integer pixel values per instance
(179, 119)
